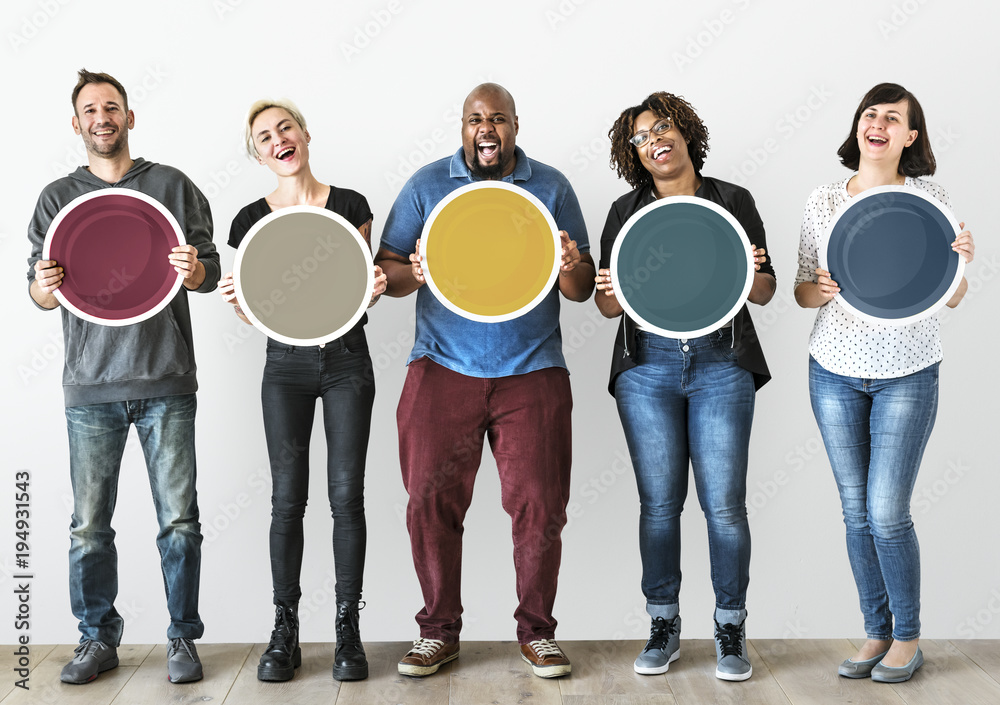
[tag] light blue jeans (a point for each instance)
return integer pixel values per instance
(97, 436)
(875, 432)
(688, 400)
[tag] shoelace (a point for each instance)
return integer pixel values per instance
(348, 631)
(284, 625)
(176, 645)
(660, 633)
(87, 648)
(426, 647)
(545, 647)
(730, 638)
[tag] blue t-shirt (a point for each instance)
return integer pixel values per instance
(528, 343)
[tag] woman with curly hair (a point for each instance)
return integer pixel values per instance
(685, 400)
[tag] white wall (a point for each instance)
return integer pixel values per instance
(776, 82)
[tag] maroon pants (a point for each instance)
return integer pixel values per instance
(443, 417)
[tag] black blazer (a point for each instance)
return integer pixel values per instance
(739, 202)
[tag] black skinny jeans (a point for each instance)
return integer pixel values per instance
(294, 377)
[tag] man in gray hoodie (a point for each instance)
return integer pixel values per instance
(142, 374)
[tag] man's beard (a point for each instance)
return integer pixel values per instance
(492, 172)
(108, 150)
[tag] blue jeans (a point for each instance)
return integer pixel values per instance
(875, 432)
(689, 400)
(97, 436)
(341, 375)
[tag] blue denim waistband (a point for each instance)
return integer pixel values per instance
(721, 337)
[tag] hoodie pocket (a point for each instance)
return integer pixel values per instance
(153, 349)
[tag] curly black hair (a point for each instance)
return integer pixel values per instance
(624, 157)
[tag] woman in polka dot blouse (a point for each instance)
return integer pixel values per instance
(874, 388)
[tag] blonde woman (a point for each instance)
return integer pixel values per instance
(340, 374)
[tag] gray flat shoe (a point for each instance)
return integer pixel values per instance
(859, 669)
(888, 674)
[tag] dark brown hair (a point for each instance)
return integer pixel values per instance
(918, 158)
(625, 158)
(85, 77)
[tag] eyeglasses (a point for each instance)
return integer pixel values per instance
(640, 138)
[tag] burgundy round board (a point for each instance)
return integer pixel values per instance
(113, 246)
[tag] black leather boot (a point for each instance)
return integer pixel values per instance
(349, 661)
(283, 655)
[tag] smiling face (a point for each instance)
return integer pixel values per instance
(884, 131)
(102, 121)
(664, 155)
(489, 128)
(281, 142)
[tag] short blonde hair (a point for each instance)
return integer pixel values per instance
(260, 106)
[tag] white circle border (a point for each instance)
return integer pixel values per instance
(100, 193)
(369, 279)
(934, 307)
(663, 203)
(556, 259)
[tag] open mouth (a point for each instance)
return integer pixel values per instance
(661, 151)
(488, 150)
(876, 139)
(103, 133)
(286, 154)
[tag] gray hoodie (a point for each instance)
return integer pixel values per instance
(154, 358)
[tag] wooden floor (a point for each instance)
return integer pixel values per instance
(793, 672)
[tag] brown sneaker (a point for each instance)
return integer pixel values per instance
(426, 657)
(546, 658)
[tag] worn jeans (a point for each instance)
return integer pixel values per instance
(875, 432)
(688, 400)
(443, 418)
(341, 375)
(97, 437)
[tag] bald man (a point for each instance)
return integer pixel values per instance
(469, 380)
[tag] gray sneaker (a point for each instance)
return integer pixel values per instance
(183, 664)
(731, 652)
(92, 657)
(663, 647)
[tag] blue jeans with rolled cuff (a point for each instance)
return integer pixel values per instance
(688, 401)
(97, 437)
(875, 432)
